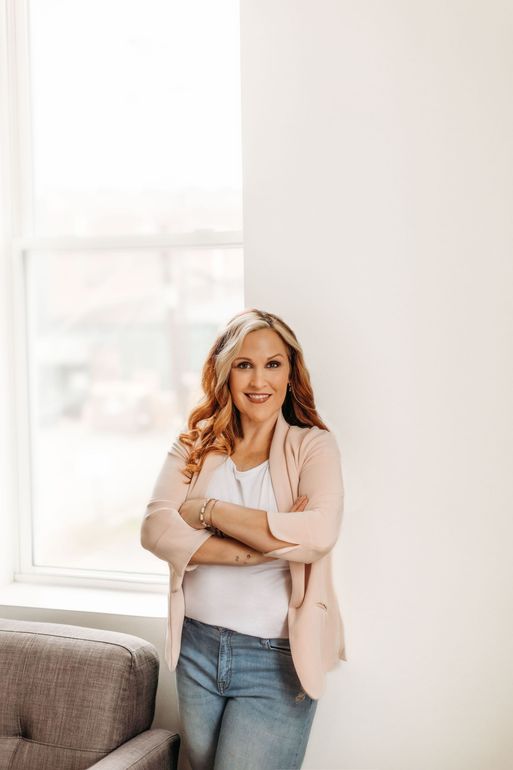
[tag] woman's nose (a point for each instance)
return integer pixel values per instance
(257, 381)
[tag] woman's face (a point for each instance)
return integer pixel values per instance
(262, 366)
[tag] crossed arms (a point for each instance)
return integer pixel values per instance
(301, 536)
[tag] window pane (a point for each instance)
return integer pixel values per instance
(116, 345)
(136, 116)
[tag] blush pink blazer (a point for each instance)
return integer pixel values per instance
(301, 461)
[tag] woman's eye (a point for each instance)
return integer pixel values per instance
(242, 363)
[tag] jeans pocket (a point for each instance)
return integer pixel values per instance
(280, 645)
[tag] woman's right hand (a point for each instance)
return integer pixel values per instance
(300, 504)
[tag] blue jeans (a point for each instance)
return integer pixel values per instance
(240, 701)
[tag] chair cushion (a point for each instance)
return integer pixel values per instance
(71, 695)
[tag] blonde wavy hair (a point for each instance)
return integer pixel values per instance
(219, 417)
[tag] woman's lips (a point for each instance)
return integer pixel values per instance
(257, 400)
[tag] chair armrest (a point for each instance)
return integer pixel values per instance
(155, 749)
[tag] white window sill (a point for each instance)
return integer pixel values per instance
(84, 599)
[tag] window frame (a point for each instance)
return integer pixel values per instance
(18, 240)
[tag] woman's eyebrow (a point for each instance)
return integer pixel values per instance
(245, 358)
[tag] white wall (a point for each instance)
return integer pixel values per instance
(378, 192)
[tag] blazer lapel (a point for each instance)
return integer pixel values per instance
(283, 478)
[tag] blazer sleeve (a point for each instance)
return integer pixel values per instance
(163, 530)
(316, 529)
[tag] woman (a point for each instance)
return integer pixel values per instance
(255, 484)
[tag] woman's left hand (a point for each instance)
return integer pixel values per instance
(190, 510)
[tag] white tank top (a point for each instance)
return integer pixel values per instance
(251, 599)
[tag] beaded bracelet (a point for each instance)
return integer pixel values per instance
(202, 511)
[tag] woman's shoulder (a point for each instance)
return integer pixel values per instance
(177, 447)
(311, 438)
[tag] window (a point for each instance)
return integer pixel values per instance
(127, 251)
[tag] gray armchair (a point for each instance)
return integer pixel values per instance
(74, 698)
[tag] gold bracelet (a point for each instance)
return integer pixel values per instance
(214, 529)
(208, 513)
